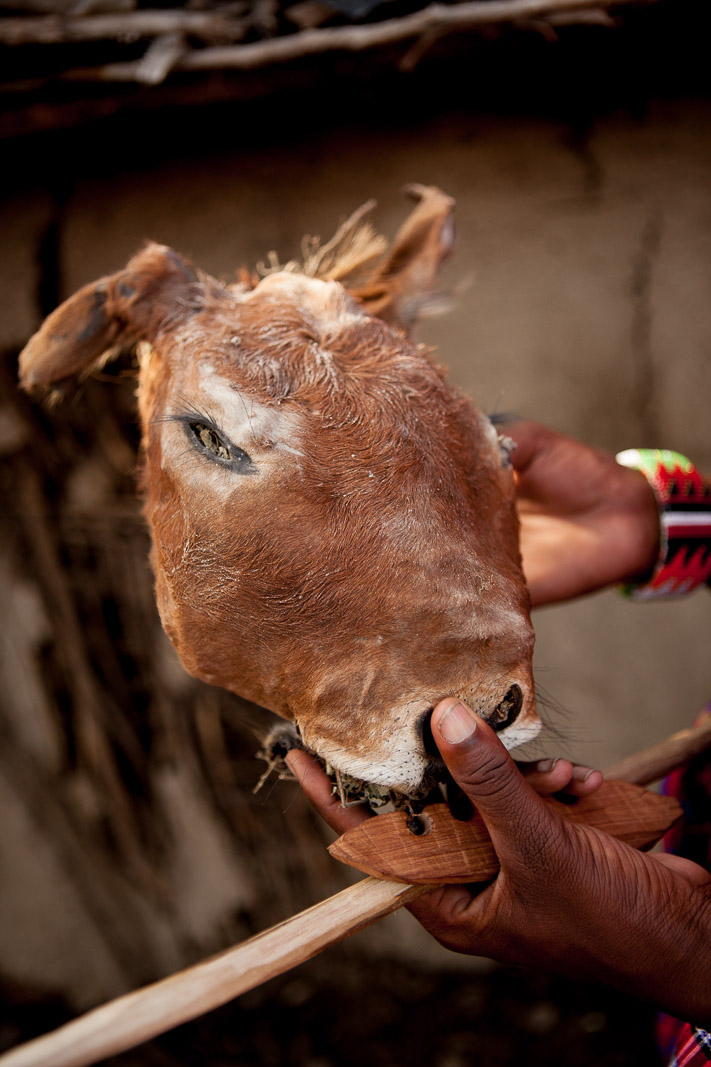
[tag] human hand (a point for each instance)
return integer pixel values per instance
(586, 521)
(568, 898)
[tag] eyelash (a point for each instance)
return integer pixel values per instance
(199, 427)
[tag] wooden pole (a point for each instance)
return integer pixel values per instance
(655, 762)
(232, 23)
(136, 1017)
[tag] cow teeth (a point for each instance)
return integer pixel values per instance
(349, 789)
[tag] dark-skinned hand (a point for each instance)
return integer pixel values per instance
(586, 521)
(568, 898)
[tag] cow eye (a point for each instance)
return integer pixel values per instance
(210, 440)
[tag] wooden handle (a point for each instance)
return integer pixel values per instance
(651, 764)
(136, 1017)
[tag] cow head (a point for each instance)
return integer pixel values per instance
(333, 525)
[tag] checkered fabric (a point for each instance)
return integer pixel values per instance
(681, 1043)
(693, 1047)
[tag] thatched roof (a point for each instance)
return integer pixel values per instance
(63, 61)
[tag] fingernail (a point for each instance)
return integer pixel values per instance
(581, 774)
(546, 765)
(457, 724)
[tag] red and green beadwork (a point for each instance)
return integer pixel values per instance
(684, 502)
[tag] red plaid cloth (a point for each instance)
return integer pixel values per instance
(692, 1045)
(682, 1044)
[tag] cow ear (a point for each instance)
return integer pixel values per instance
(156, 287)
(405, 280)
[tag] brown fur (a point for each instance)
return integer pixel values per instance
(365, 562)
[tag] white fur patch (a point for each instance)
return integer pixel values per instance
(402, 769)
(245, 421)
(401, 766)
(327, 302)
(519, 733)
(269, 434)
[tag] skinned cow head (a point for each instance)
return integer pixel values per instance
(333, 526)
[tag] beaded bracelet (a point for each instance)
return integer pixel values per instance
(684, 502)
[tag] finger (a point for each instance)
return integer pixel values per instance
(551, 776)
(446, 913)
(584, 782)
(482, 767)
(547, 776)
(530, 437)
(319, 790)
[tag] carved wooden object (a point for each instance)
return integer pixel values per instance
(435, 848)
(126, 1022)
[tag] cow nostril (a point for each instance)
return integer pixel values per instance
(425, 728)
(507, 711)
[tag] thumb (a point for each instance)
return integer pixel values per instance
(530, 438)
(521, 825)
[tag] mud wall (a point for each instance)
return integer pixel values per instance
(586, 253)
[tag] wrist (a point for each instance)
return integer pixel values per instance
(684, 990)
(661, 951)
(643, 530)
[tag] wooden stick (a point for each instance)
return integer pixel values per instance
(432, 22)
(435, 18)
(159, 58)
(136, 1017)
(54, 29)
(655, 762)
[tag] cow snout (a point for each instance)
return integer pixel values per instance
(506, 711)
(424, 726)
(504, 714)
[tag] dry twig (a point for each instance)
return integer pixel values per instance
(130, 25)
(426, 25)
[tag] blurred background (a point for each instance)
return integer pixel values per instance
(575, 139)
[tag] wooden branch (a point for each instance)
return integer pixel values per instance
(160, 58)
(136, 1017)
(655, 762)
(68, 8)
(436, 20)
(92, 739)
(584, 18)
(56, 29)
